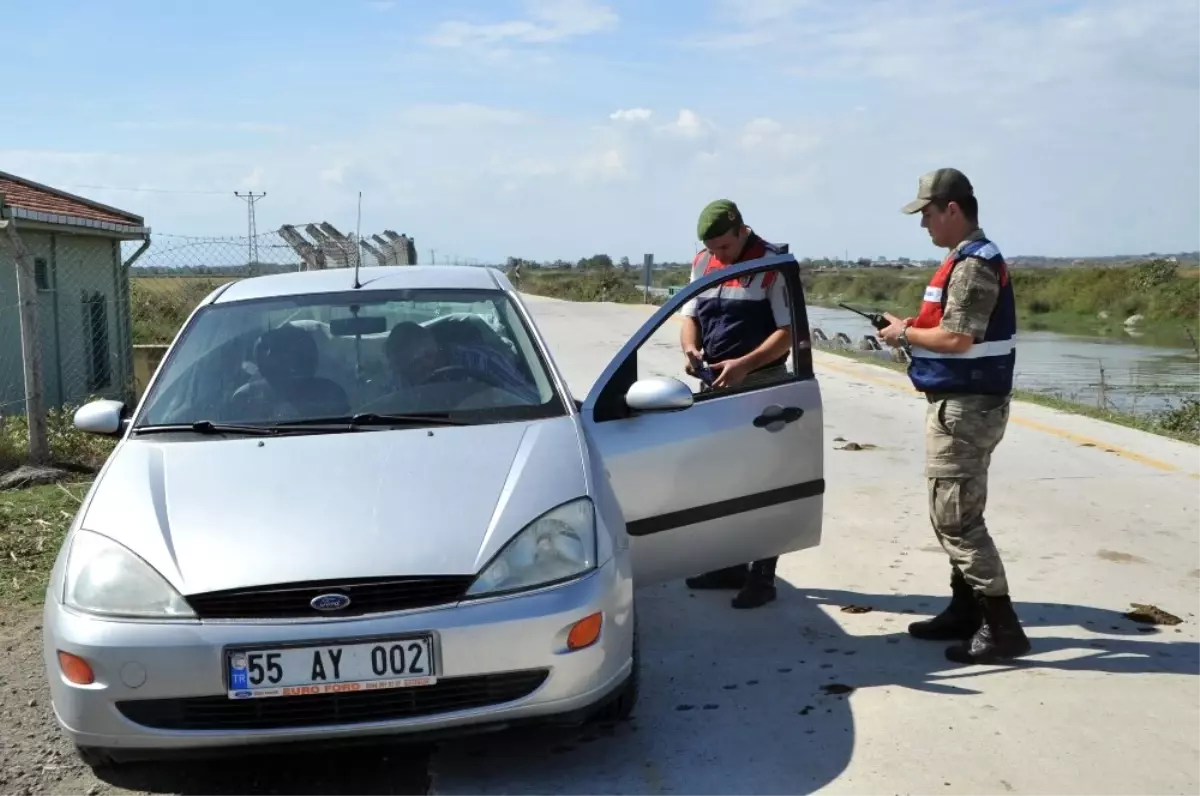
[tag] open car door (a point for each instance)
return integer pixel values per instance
(708, 479)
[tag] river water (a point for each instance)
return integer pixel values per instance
(1118, 373)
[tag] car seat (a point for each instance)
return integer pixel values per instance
(286, 358)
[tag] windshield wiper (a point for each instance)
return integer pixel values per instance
(373, 419)
(209, 427)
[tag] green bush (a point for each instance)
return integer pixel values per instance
(594, 285)
(70, 448)
(1182, 420)
(160, 305)
(1154, 289)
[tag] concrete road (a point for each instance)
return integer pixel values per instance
(1090, 518)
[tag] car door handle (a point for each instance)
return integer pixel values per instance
(778, 414)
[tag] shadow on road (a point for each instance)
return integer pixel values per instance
(395, 768)
(760, 701)
(732, 702)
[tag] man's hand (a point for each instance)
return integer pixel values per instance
(691, 355)
(891, 333)
(731, 372)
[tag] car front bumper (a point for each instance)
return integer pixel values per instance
(161, 685)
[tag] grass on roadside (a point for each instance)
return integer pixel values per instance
(33, 523)
(1181, 423)
(70, 448)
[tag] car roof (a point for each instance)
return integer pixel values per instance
(390, 277)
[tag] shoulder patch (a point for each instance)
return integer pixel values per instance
(987, 251)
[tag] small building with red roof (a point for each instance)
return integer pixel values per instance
(82, 293)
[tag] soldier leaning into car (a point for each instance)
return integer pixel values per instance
(963, 353)
(743, 331)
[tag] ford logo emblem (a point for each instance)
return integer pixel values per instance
(329, 602)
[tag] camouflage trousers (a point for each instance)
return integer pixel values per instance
(961, 432)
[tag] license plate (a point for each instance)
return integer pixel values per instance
(330, 668)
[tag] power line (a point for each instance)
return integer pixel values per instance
(143, 190)
(252, 245)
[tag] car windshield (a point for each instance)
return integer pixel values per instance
(462, 355)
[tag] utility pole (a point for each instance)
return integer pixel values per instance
(433, 256)
(252, 228)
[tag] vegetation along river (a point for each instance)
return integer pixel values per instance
(1120, 372)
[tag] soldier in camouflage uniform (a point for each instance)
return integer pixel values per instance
(962, 349)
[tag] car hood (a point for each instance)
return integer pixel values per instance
(220, 513)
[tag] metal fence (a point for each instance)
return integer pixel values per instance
(104, 308)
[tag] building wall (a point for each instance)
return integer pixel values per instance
(85, 345)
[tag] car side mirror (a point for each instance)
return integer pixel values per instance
(658, 394)
(103, 417)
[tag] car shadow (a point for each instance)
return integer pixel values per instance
(731, 702)
(760, 701)
(373, 768)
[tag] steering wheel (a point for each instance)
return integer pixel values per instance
(450, 372)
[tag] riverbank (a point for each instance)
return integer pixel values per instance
(1154, 303)
(1181, 422)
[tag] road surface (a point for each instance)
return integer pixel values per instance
(1090, 518)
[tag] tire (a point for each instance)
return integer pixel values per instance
(621, 707)
(94, 757)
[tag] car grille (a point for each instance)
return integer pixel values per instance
(367, 596)
(222, 713)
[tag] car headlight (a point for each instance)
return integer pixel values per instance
(106, 578)
(557, 546)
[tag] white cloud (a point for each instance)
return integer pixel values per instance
(606, 166)
(766, 134)
(1078, 127)
(759, 12)
(199, 125)
(631, 115)
(334, 175)
(688, 124)
(547, 21)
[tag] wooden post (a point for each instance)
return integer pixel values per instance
(31, 348)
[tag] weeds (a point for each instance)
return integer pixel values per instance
(1052, 298)
(595, 285)
(160, 305)
(70, 448)
(33, 523)
(1181, 422)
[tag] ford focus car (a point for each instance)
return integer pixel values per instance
(365, 504)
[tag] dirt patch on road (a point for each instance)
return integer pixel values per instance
(36, 758)
(1118, 557)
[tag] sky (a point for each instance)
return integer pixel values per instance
(550, 129)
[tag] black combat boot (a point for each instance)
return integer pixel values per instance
(999, 638)
(728, 578)
(760, 585)
(961, 618)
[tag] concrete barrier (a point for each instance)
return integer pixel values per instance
(869, 344)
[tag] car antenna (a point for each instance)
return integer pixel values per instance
(358, 243)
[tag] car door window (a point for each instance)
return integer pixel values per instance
(711, 478)
(731, 315)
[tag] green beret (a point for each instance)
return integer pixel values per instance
(717, 218)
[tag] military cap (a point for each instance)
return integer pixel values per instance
(717, 218)
(946, 184)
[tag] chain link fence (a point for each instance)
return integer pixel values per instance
(106, 309)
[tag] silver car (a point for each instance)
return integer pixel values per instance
(364, 505)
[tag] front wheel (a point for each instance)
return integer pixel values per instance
(621, 707)
(94, 757)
